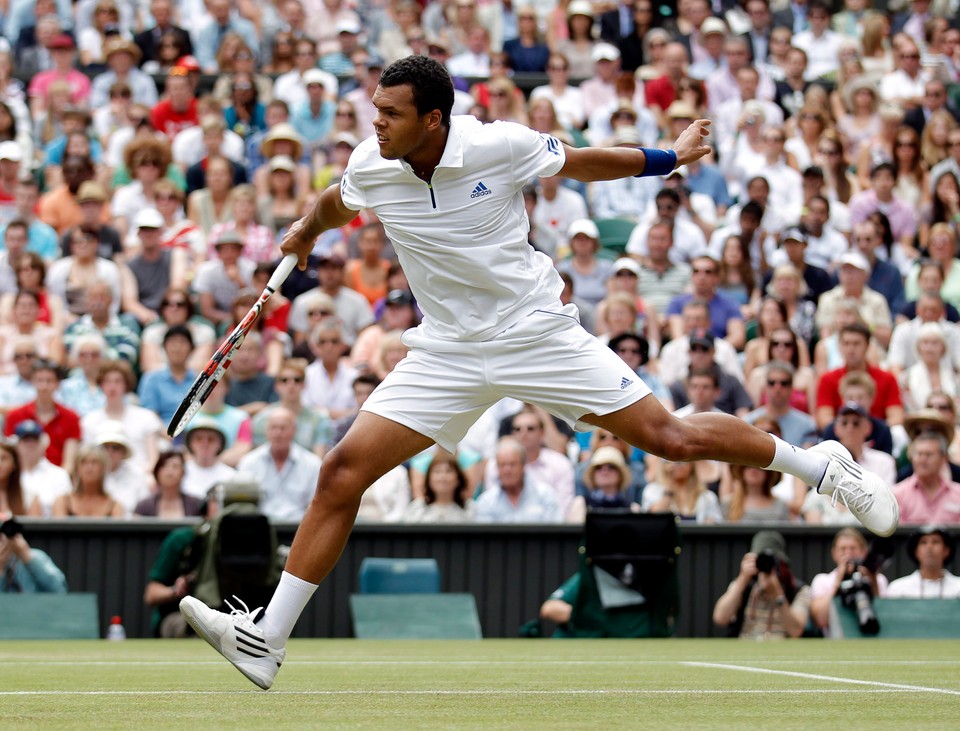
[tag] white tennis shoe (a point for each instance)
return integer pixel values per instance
(237, 638)
(866, 495)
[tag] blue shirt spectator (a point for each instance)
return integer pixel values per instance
(722, 309)
(207, 39)
(313, 128)
(41, 239)
(162, 392)
(707, 179)
(38, 574)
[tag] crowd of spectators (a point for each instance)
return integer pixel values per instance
(804, 276)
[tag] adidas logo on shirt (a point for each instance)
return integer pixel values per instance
(480, 191)
(624, 382)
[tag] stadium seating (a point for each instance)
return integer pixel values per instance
(400, 599)
(49, 617)
(399, 576)
(901, 619)
(614, 234)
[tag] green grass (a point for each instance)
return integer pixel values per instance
(489, 684)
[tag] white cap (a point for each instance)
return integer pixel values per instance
(580, 7)
(626, 135)
(11, 150)
(604, 52)
(584, 226)
(626, 263)
(113, 434)
(319, 76)
(282, 162)
(713, 25)
(148, 218)
(348, 25)
(681, 171)
(854, 259)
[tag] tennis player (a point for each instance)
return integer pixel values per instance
(448, 191)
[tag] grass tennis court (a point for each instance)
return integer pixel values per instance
(489, 684)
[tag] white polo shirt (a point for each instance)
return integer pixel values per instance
(462, 238)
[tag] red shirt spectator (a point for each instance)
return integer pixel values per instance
(64, 425)
(888, 390)
(177, 111)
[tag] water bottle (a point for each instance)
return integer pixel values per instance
(116, 631)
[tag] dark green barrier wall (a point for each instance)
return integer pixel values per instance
(510, 570)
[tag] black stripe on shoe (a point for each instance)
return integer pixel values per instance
(251, 645)
(251, 654)
(256, 638)
(852, 466)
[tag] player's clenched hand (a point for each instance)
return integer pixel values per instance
(689, 145)
(298, 241)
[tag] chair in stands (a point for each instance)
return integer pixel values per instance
(614, 234)
(399, 576)
(400, 598)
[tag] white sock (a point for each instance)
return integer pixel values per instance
(285, 608)
(808, 466)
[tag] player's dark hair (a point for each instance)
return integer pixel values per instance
(857, 328)
(429, 81)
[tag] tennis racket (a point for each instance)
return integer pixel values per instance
(213, 372)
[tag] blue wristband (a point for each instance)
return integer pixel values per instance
(659, 162)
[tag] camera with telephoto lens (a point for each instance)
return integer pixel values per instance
(11, 528)
(767, 561)
(855, 591)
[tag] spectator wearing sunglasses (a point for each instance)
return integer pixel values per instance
(314, 428)
(798, 428)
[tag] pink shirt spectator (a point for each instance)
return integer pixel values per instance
(259, 244)
(79, 84)
(903, 218)
(918, 508)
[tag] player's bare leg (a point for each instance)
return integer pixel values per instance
(256, 645)
(372, 447)
(828, 466)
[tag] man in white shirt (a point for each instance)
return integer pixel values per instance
(688, 238)
(448, 191)
(516, 497)
(821, 44)
(205, 441)
(905, 86)
(286, 472)
(931, 548)
(40, 479)
(352, 308)
(557, 207)
(543, 465)
(475, 61)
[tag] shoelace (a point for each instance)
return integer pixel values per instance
(244, 617)
(853, 496)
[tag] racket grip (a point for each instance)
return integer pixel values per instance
(282, 271)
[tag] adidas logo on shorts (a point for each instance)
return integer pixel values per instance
(480, 191)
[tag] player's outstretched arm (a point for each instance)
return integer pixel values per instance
(327, 213)
(609, 163)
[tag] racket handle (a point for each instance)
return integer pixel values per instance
(282, 271)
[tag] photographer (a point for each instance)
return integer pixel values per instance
(848, 551)
(24, 569)
(765, 600)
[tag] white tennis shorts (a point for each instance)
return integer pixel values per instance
(442, 387)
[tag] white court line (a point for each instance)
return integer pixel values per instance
(814, 676)
(22, 660)
(431, 692)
